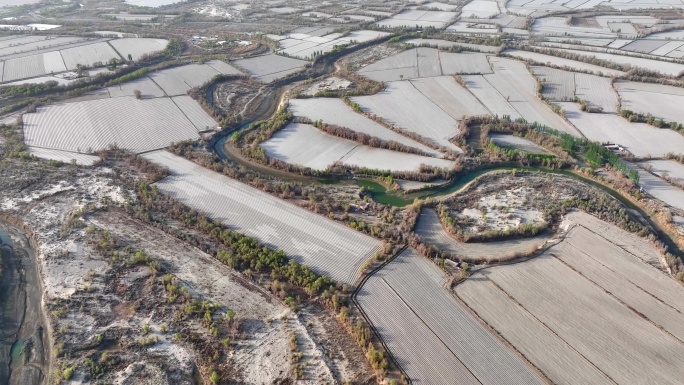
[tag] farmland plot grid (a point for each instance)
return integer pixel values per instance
(403, 105)
(327, 247)
(409, 290)
(335, 111)
(597, 300)
(323, 150)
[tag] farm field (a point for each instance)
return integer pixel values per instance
(270, 67)
(559, 85)
(88, 55)
(640, 139)
(661, 189)
(618, 304)
(661, 101)
(422, 19)
(430, 230)
(446, 44)
(522, 144)
(450, 96)
(306, 46)
(178, 80)
(666, 68)
(132, 124)
(597, 91)
(489, 96)
(512, 86)
(468, 28)
(137, 48)
(334, 111)
(322, 150)
(669, 168)
(561, 62)
(64, 156)
(480, 9)
(401, 104)
(32, 56)
(147, 87)
(327, 247)
(425, 62)
(407, 295)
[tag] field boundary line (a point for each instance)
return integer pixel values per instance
(115, 50)
(184, 114)
(551, 330)
(157, 84)
(367, 319)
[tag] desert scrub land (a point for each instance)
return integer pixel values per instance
(513, 202)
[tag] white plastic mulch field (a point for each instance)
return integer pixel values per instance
(138, 47)
(178, 80)
(661, 101)
(561, 62)
(426, 62)
(305, 145)
(514, 86)
(667, 168)
(661, 189)
(87, 55)
(270, 67)
(334, 111)
(132, 124)
(640, 139)
(306, 46)
(64, 156)
(327, 247)
(431, 335)
(36, 56)
(596, 90)
(402, 105)
(667, 68)
(595, 292)
(481, 9)
(446, 44)
(422, 19)
(522, 144)
(450, 96)
(559, 85)
(145, 85)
